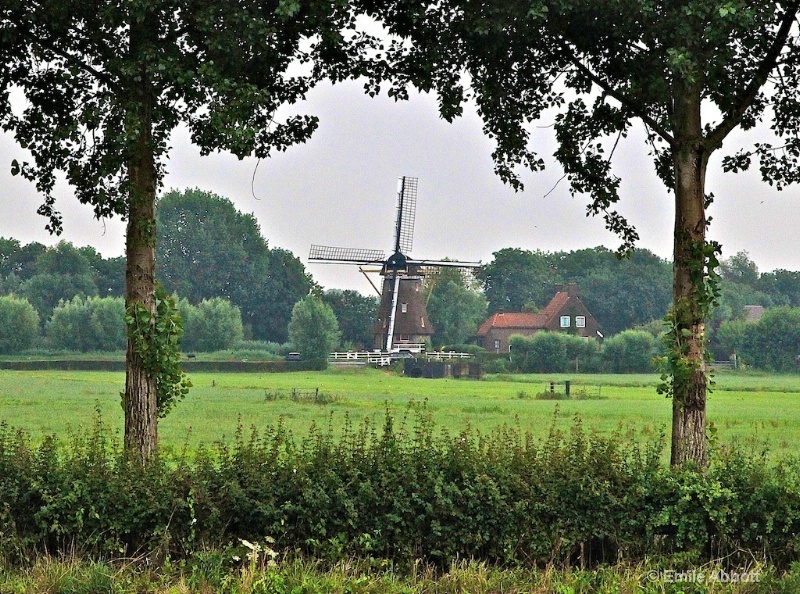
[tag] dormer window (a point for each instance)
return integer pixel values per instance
(404, 308)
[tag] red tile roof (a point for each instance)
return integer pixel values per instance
(513, 320)
(536, 320)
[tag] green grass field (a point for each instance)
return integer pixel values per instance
(751, 409)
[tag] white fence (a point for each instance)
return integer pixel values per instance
(382, 358)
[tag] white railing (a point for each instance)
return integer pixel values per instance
(383, 358)
(411, 347)
(349, 356)
(446, 356)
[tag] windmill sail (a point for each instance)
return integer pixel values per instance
(406, 211)
(327, 253)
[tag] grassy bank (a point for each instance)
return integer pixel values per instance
(217, 573)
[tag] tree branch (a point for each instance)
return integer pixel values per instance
(47, 45)
(613, 92)
(770, 61)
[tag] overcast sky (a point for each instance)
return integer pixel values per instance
(339, 189)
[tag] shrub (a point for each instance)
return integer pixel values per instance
(631, 351)
(19, 324)
(212, 325)
(313, 329)
(773, 343)
(399, 494)
(93, 324)
(553, 352)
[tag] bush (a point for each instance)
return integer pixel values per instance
(19, 324)
(313, 329)
(631, 351)
(773, 343)
(93, 324)
(553, 352)
(212, 325)
(402, 495)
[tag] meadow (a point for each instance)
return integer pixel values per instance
(746, 503)
(761, 411)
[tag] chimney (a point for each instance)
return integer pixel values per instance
(572, 289)
(559, 288)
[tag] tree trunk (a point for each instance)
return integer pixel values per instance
(140, 399)
(690, 159)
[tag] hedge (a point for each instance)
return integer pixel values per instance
(404, 494)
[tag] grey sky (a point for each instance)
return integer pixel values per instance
(339, 189)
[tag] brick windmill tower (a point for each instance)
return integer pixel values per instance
(402, 315)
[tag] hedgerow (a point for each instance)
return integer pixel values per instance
(401, 490)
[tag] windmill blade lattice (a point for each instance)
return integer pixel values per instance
(326, 253)
(406, 212)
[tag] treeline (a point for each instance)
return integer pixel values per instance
(214, 259)
(634, 294)
(630, 351)
(97, 324)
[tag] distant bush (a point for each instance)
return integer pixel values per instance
(212, 325)
(313, 329)
(553, 352)
(19, 324)
(84, 325)
(631, 351)
(773, 343)
(274, 348)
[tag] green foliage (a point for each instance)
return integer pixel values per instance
(620, 293)
(19, 322)
(773, 343)
(93, 324)
(685, 342)
(313, 329)
(398, 491)
(731, 338)
(208, 249)
(155, 338)
(213, 325)
(553, 352)
(516, 278)
(455, 311)
(356, 315)
(631, 351)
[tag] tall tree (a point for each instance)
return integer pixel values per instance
(108, 80)
(287, 283)
(207, 248)
(782, 285)
(455, 305)
(62, 272)
(517, 279)
(691, 72)
(313, 329)
(356, 315)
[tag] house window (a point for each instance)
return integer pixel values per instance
(580, 321)
(565, 321)
(497, 346)
(404, 308)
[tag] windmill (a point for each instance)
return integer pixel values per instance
(402, 316)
